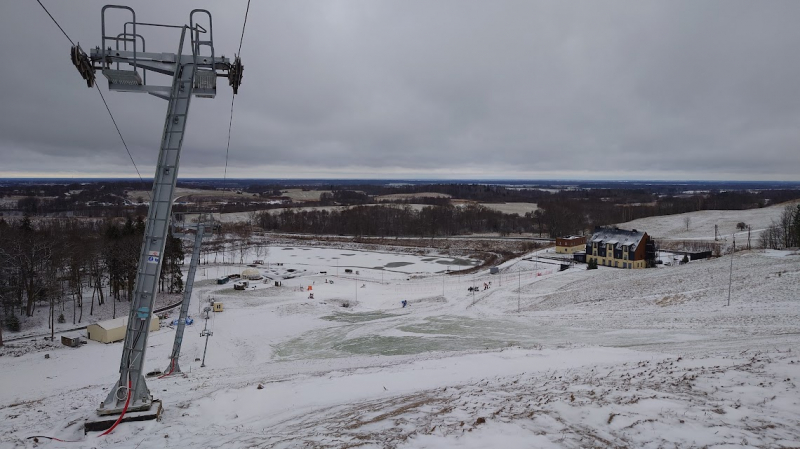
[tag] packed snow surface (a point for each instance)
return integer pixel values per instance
(533, 357)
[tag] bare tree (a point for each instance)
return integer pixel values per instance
(771, 237)
(686, 221)
(785, 224)
(252, 218)
(259, 249)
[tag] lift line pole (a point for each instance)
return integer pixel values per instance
(175, 367)
(194, 74)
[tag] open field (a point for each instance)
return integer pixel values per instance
(304, 195)
(184, 194)
(236, 217)
(512, 208)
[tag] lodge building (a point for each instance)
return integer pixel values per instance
(614, 247)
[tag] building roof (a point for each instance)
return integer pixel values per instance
(113, 324)
(119, 322)
(617, 236)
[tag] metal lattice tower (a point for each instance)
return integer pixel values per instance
(205, 223)
(126, 66)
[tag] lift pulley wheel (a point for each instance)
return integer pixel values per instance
(235, 74)
(82, 62)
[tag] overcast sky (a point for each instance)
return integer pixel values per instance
(428, 89)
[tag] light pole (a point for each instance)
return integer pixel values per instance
(205, 333)
(730, 280)
(519, 287)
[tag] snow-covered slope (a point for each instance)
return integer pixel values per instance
(701, 223)
(541, 358)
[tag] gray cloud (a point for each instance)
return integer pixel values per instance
(522, 89)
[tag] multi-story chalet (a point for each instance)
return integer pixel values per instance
(614, 247)
(570, 244)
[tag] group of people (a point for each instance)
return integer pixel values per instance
(486, 286)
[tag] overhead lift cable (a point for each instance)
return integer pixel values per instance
(233, 98)
(56, 22)
(120, 137)
(101, 94)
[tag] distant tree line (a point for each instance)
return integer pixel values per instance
(393, 220)
(671, 196)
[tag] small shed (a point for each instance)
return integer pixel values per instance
(109, 331)
(217, 307)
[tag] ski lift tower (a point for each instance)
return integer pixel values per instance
(205, 224)
(125, 63)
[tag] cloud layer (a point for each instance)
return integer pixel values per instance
(421, 89)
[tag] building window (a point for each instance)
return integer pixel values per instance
(624, 264)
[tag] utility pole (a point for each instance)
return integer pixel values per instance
(748, 236)
(730, 280)
(519, 288)
(205, 333)
(125, 67)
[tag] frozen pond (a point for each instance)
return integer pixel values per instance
(384, 334)
(327, 259)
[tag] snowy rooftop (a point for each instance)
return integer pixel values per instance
(617, 236)
(113, 323)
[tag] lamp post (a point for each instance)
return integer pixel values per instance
(730, 279)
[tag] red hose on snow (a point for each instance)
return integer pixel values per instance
(124, 409)
(35, 439)
(171, 369)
